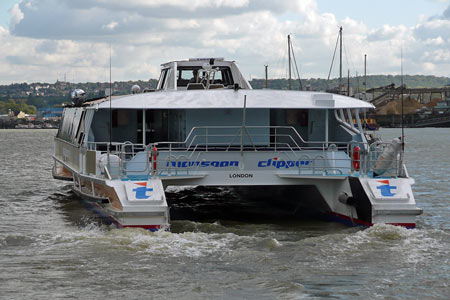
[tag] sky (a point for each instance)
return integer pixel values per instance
(50, 40)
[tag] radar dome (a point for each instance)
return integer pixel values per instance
(78, 96)
(135, 89)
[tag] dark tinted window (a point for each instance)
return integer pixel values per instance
(187, 75)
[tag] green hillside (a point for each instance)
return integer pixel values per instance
(319, 84)
(30, 97)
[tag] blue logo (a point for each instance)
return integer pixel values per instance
(270, 163)
(141, 192)
(385, 189)
(287, 164)
(203, 164)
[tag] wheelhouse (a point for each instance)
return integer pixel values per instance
(200, 73)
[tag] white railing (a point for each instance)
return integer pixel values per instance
(118, 158)
(201, 137)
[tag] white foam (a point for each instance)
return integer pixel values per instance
(411, 245)
(190, 244)
(177, 189)
(187, 244)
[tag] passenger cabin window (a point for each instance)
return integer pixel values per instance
(70, 125)
(124, 126)
(293, 122)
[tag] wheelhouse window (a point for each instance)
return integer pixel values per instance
(186, 75)
(162, 79)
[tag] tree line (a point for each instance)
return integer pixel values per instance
(11, 105)
(30, 97)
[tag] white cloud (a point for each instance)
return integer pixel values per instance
(188, 5)
(48, 38)
(3, 31)
(110, 26)
(435, 41)
(16, 15)
(429, 67)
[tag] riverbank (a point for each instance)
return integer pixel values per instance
(24, 124)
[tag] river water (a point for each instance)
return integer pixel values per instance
(52, 247)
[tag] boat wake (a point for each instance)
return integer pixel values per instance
(410, 246)
(143, 242)
(391, 245)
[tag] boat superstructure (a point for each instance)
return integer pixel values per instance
(204, 125)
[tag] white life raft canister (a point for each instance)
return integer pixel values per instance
(387, 157)
(114, 164)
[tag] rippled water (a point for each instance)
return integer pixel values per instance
(51, 247)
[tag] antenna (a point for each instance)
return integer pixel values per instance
(340, 60)
(402, 153)
(110, 98)
(244, 111)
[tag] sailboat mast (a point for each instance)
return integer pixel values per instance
(348, 83)
(365, 84)
(267, 76)
(340, 60)
(289, 57)
(365, 76)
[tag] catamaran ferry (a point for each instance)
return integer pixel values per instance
(205, 126)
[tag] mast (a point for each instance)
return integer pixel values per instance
(365, 86)
(365, 76)
(289, 56)
(340, 60)
(267, 77)
(348, 83)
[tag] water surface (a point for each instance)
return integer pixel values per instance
(52, 247)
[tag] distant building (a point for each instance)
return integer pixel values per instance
(22, 115)
(444, 105)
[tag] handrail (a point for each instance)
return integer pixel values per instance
(287, 145)
(343, 122)
(192, 137)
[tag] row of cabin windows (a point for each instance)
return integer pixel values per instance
(174, 125)
(162, 125)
